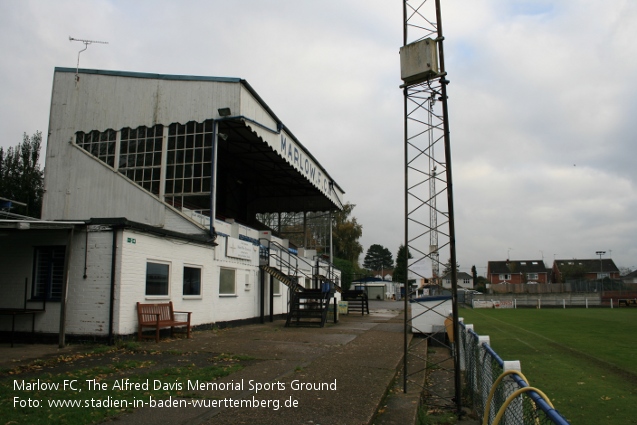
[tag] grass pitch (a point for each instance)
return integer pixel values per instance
(585, 360)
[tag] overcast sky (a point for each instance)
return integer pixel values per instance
(542, 102)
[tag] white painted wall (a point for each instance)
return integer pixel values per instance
(245, 302)
(135, 249)
(88, 300)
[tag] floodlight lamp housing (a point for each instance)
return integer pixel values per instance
(224, 112)
(419, 61)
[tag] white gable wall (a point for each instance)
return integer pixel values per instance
(79, 186)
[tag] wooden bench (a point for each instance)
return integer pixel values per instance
(159, 316)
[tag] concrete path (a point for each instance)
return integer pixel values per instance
(352, 362)
(339, 374)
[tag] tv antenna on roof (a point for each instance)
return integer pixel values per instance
(86, 43)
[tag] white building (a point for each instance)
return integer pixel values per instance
(136, 165)
(464, 280)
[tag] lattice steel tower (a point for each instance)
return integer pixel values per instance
(429, 222)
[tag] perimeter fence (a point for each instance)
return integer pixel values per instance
(497, 389)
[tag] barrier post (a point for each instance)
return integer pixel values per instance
(515, 410)
(484, 373)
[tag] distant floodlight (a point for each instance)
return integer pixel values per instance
(224, 112)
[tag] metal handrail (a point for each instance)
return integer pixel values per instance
(293, 261)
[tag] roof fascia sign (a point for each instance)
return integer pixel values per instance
(300, 159)
(297, 157)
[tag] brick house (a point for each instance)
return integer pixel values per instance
(516, 272)
(595, 269)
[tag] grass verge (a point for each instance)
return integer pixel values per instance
(102, 383)
(583, 359)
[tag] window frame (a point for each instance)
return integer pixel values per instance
(158, 296)
(183, 291)
(276, 287)
(49, 283)
(228, 294)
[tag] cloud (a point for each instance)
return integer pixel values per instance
(541, 102)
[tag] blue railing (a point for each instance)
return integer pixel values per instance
(483, 369)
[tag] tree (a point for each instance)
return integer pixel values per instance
(378, 257)
(474, 275)
(21, 178)
(345, 235)
(401, 264)
(623, 271)
(347, 272)
(481, 285)
(447, 269)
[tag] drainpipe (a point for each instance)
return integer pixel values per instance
(272, 298)
(331, 242)
(65, 287)
(213, 180)
(262, 297)
(111, 312)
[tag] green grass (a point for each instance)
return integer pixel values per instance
(138, 371)
(583, 359)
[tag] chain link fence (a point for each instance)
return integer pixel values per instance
(497, 389)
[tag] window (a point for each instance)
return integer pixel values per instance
(505, 277)
(532, 276)
(48, 272)
(227, 281)
(276, 287)
(189, 153)
(192, 280)
(157, 278)
(140, 156)
(100, 145)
